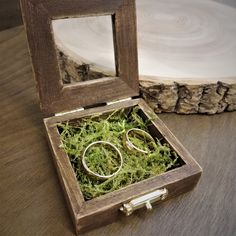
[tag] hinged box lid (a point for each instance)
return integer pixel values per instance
(56, 97)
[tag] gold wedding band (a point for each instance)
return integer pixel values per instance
(90, 172)
(131, 146)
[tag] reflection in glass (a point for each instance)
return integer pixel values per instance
(85, 48)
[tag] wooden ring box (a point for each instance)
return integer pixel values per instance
(61, 102)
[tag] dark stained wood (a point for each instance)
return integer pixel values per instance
(75, 8)
(55, 97)
(67, 176)
(10, 14)
(31, 199)
(105, 209)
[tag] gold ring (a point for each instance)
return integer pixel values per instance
(131, 146)
(92, 173)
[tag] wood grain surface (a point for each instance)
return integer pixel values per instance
(198, 36)
(10, 14)
(55, 97)
(31, 199)
(190, 40)
(186, 48)
(100, 211)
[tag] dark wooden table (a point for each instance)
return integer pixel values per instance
(31, 200)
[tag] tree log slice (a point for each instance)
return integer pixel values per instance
(187, 53)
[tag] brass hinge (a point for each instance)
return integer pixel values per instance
(82, 109)
(69, 112)
(144, 201)
(121, 100)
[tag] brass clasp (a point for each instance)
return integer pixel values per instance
(144, 201)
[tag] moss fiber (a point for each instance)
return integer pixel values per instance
(102, 159)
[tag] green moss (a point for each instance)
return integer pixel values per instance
(102, 159)
(76, 136)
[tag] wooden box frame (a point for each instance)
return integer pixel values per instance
(105, 209)
(57, 98)
(54, 95)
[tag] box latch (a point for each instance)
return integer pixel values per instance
(144, 201)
